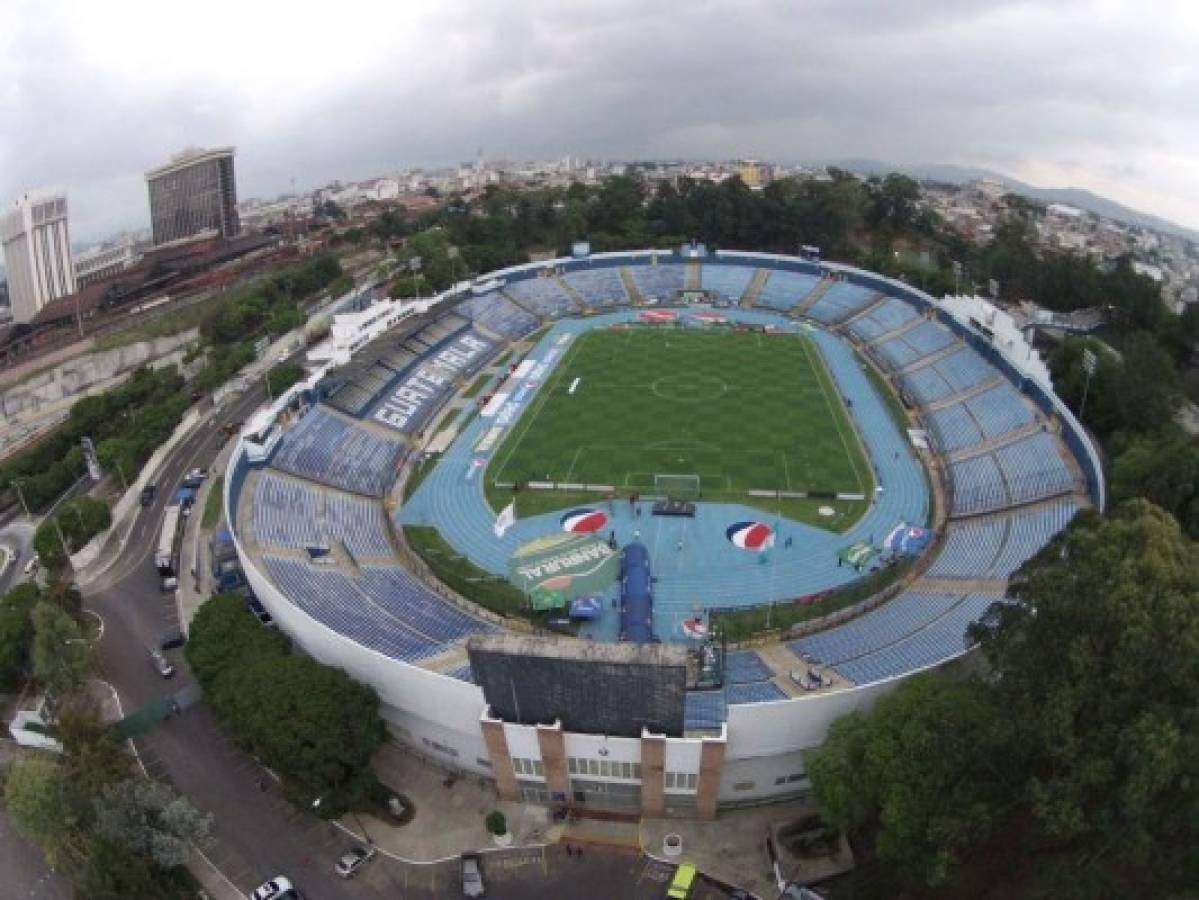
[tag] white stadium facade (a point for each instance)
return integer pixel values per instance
(313, 497)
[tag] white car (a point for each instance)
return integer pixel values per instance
(353, 860)
(278, 888)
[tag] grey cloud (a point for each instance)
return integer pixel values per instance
(1097, 91)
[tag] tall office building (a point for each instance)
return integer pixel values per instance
(37, 252)
(195, 192)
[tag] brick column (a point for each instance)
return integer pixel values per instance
(501, 761)
(711, 764)
(553, 759)
(653, 775)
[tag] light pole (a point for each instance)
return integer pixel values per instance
(21, 497)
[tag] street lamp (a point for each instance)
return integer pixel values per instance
(316, 805)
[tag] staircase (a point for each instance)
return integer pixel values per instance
(630, 286)
(919, 364)
(875, 302)
(813, 295)
(573, 294)
(954, 399)
(692, 280)
(750, 297)
(540, 317)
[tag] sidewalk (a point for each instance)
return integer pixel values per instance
(195, 581)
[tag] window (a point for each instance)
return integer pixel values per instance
(681, 781)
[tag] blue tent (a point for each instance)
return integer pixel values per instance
(589, 608)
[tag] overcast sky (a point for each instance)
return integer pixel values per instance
(1102, 95)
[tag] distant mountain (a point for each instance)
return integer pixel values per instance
(1080, 197)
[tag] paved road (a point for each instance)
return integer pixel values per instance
(17, 536)
(258, 833)
(23, 871)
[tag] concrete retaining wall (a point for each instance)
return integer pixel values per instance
(75, 378)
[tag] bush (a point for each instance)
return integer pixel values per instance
(496, 823)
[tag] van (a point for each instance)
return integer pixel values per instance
(170, 583)
(680, 885)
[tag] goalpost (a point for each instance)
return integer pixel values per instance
(678, 487)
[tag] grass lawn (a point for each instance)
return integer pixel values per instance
(212, 503)
(740, 410)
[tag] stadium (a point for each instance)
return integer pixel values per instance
(643, 443)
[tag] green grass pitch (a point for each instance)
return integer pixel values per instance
(741, 410)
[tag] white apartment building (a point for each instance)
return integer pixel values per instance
(37, 252)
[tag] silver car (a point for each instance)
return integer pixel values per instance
(353, 860)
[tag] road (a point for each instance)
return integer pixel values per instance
(258, 834)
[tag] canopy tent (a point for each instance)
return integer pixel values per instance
(858, 554)
(906, 539)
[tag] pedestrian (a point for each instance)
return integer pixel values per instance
(261, 785)
(787, 543)
(679, 546)
(579, 852)
(569, 852)
(638, 510)
(897, 454)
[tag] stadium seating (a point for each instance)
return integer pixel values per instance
(754, 692)
(744, 667)
(957, 372)
(328, 449)
(785, 290)
(731, 282)
(496, 312)
(977, 485)
(1029, 532)
(1000, 410)
(970, 548)
(463, 673)
(1033, 468)
(598, 287)
(659, 282)
(410, 602)
(704, 710)
(842, 300)
(905, 615)
(890, 315)
(543, 296)
(329, 596)
(954, 428)
(938, 642)
(290, 514)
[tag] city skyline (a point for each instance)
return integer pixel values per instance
(982, 84)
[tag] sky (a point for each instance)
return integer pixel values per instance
(1100, 95)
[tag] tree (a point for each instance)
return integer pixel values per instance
(283, 376)
(223, 633)
(37, 799)
(1097, 670)
(16, 633)
(152, 820)
(925, 770)
(61, 657)
(1163, 469)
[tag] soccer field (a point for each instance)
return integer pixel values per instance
(743, 411)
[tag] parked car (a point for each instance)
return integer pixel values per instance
(471, 868)
(148, 493)
(278, 888)
(172, 640)
(161, 664)
(353, 860)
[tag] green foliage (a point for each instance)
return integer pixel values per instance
(1098, 660)
(496, 823)
(283, 376)
(310, 723)
(60, 656)
(79, 520)
(38, 801)
(1163, 469)
(926, 768)
(16, 633)
(223, 634)
(149, 818)
(126, 423)
(1081, 750)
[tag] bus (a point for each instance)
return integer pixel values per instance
(166, 557)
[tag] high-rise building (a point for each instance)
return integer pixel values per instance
(37, 252)
(195, 192)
